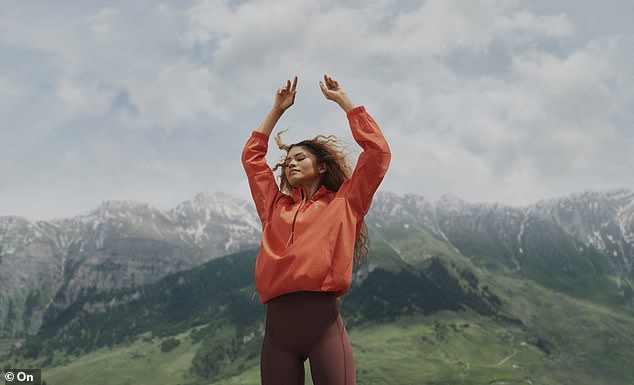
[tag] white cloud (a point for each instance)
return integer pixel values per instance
(101, 23)
(179, 93)
(492, 100)
(548, 127)
(525, 26)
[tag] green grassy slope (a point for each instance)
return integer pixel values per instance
(425, 314)
(561, 341)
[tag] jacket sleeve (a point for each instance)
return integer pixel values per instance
(264, 189)
(372, 163)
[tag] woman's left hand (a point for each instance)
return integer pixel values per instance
(333, 91)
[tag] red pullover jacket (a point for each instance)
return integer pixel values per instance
(308, 245)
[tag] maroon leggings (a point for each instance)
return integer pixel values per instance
(300, 326)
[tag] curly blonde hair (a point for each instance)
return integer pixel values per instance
(329, 151)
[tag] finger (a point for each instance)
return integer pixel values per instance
(332, 83)
(327, 80)
(294, 87)
(325, 91)
(323, 88)
(288, 85)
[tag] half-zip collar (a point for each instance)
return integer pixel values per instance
(299, 194)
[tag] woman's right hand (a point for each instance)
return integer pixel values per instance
(285, 96)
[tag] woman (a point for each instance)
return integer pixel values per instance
(311, 230)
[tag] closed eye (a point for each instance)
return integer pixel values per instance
(297, 159)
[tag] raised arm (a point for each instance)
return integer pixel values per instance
(264, 189)
(375, 158)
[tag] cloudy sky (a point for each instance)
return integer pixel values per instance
(490, 100)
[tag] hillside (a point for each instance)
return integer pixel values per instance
(176, 330)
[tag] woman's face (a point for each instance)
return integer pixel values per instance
(301, 167)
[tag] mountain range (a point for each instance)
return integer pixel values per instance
(46, 265)
(127, 268)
